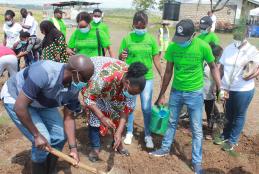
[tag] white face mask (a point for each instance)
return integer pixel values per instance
(97, 19)
(9, 23)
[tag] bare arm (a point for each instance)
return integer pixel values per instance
(166, 80)
(119, 131)
(21, 109)
(70, 127)
(110, 52)
(215, 74)
(157, 63)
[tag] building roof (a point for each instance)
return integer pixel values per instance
(73, 3)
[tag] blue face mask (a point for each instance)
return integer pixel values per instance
(84, 30)
(127, 94)
(140, 32)
(185, 44)
(79, 86)
(204, 32)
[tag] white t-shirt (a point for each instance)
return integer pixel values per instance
(234, 61)
(12, 34)
(30, 21)
(214, 20)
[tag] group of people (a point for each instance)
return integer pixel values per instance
(79, 75)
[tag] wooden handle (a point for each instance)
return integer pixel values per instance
(73, 161)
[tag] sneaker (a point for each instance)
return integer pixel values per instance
(227, 146)
(159, 153)
(128, 138)
(197, 169)
(219, 140)
(149, 142)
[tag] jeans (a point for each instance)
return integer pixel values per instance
(49, 123)
(146, 106)
(194, 103)
(236, 109)
(94, 136)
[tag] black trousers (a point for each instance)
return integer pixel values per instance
(210, 109)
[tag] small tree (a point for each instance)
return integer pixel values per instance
(144, 4)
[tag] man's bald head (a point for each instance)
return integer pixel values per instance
(81, 64)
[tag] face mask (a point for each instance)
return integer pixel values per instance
(79, 86)
(23, 42)
(204, 32)
(9, 23)
(97, 19)
(84, 30)
(185, 44)
(127, 94)
(140, 32)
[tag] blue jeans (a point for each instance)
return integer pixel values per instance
(94, 136)
(236, 109)
(49, 123)
(194, 103)
(146, 106)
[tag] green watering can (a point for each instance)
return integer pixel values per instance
(159, 119)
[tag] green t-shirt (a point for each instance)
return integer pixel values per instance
(62, 25)
(210, 37)
(86, 43)
(188, 64)
(140, 49)
(101, 26)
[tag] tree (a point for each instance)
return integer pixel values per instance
(216, 7)
(144, 4)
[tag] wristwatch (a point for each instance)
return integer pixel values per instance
(71, 146)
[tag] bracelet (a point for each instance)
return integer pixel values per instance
(72, 146)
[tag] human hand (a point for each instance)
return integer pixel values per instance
(70, 52)
(160, 101)
(222, 95)
(107, 122)
(117, 140)
(74, 154)
(124, 55)
(41, 142)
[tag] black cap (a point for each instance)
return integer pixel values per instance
(58, 10)
(205, 22)
(184, 31)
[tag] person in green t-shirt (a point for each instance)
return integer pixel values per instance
(88, 41)
(140, 46)
(58, 21)
(185, 57)
(98, 23)
(206, 34)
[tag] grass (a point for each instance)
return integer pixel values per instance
(4, 120)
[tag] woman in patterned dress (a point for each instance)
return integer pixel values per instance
(54, 43)
(108, 96)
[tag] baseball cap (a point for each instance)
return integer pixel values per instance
(184, 31)
(205, 22)
(58, 10)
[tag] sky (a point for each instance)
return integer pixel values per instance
(105, 3)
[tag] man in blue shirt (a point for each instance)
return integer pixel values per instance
(31, 99)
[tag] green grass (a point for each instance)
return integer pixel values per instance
(4, 120)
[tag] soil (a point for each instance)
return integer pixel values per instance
(15, 149)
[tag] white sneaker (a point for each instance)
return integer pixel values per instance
(149, 142)
(128, 138)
